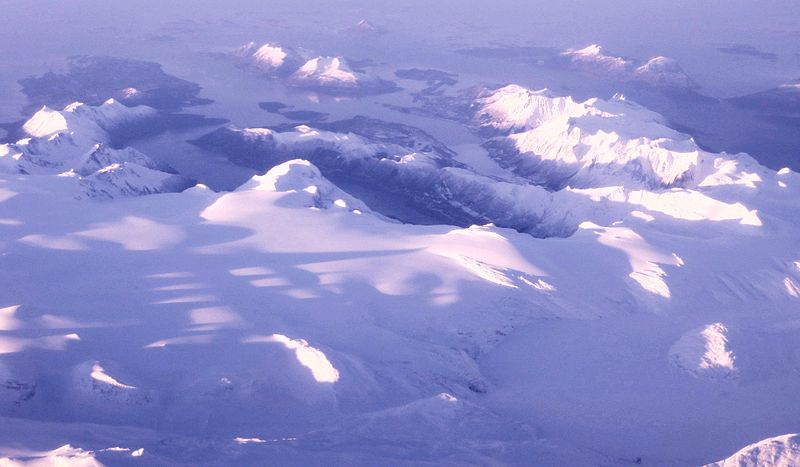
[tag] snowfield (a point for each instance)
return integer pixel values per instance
(489, 275)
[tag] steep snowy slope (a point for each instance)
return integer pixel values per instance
(270, 58)
(73, 144)
(559, 142)
(327, 71)
(333, 75)
(780, 451)
(336, 75)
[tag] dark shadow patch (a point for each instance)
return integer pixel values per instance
(126, 134)
(12, 131)
(361, 65)
(789, 122)
(436, 80)
(747, 51)
(282, 109)
(427, 75)
(305, 115)
(273, 107)
(784, 100)
(92, 80)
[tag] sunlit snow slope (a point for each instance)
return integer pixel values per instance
(293, 322)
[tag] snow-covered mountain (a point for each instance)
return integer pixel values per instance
(657, 71)
(781, 450)
(328, 71)
(270, 58)
(335, 74)
(313, 190)
(325, 74)
(74, 144)
(84, 121)
(469, 270)
(291, 275)
(414, 180)
(558, 142)
(566, 162)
